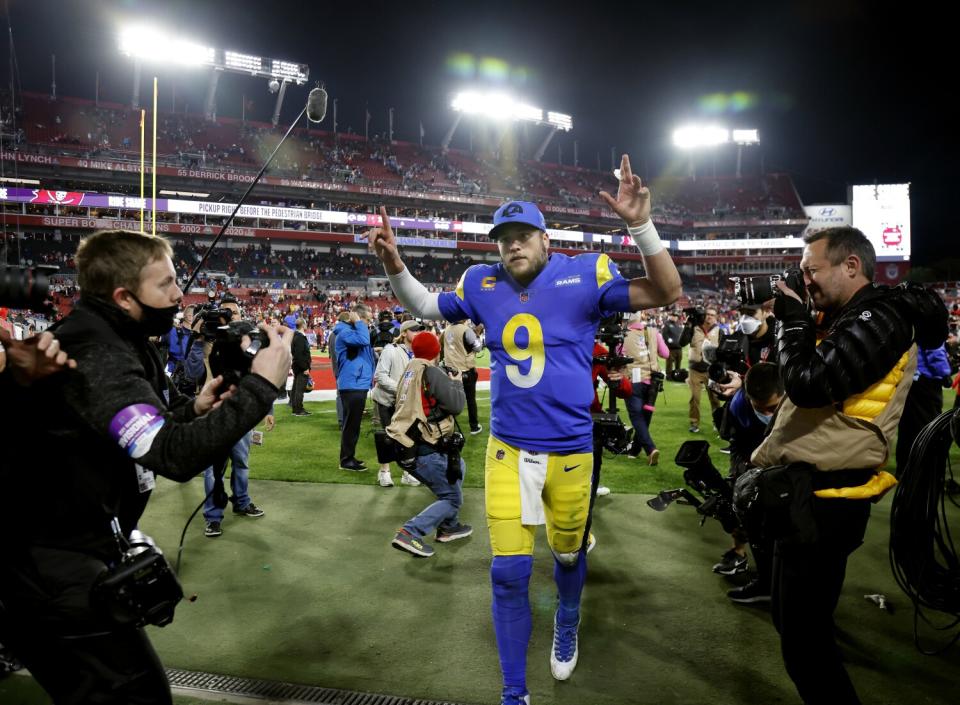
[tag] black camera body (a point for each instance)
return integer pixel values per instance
(701, 475)
(729, 356)
(141, 589)
(389, 451)
(212, 317)
(611, 328)
(611, 334)
(451, 445)
(611, 434)
(756, 290)
(608, 430)
(227, 358)
(696, 315)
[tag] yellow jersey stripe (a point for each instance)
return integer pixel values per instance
(603, 270)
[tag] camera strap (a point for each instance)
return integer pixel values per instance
(122, 544)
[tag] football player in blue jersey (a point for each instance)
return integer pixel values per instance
(540, 311)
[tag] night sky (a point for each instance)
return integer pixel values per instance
(842, 91)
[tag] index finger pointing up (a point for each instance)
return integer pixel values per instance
(385, 220)
(626, 173)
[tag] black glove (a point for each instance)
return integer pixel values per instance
(947, 381)
(787, 308)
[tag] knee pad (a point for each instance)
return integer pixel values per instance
(567, 560)
(510, 576)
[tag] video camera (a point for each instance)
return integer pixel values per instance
(611, 433)
(701, 475)
(696, 315)
(611, 334)
(726, 357)
(25, 287)
(756, 290)
(227, 358)
(213, 315)
(608, 428)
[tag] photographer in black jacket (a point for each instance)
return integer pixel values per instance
(846, 376)
(89, 442)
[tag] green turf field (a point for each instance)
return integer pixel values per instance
(306, 449)
(313, 593)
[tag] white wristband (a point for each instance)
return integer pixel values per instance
(647, 238)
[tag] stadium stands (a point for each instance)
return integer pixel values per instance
(78, 126)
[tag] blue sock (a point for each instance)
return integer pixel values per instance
(570, 582)
(512, 622)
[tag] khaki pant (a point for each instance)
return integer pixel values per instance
(697, 381)
(674, 361)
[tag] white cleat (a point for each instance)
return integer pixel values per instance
(563, 655)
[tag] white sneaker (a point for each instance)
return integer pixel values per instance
(409, 479)
(603, 491)
(384, 478)
(564, 639)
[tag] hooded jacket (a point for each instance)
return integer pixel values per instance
(354, 353)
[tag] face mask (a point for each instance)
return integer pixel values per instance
(156, 321)
(764, 418)
(749, 325)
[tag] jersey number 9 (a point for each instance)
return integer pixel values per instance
(533, 350)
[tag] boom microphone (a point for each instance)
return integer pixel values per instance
(317, 105)
(315, 109)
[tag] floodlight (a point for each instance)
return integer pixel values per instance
(560, 121)
(242, 62)
(152, 44)
(695, 136)
(528, 112)
(498, 106)
(289, 70)
(746, 137)
(467, 102)
(501, 106)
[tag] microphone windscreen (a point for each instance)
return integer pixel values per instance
(317, 105)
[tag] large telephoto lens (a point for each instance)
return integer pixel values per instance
(24, 287)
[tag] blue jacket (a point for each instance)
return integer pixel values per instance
(354, 353)
(933, 363)
(177, 340)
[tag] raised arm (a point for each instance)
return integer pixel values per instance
(661, 286)
(410, 292)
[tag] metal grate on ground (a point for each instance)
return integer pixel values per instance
(285, 692)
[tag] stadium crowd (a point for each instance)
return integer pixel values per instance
(72, 126)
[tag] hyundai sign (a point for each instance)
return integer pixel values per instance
(827, 216)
